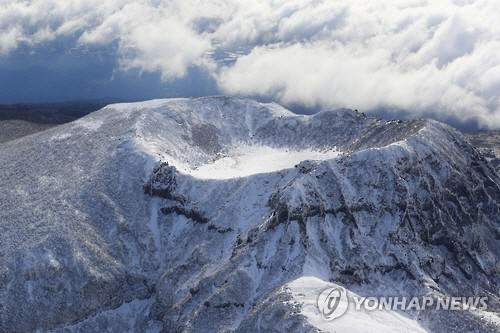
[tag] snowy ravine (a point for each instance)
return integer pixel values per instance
(219, 215)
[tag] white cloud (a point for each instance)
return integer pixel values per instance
(151, 39)
(435, 58)
(440, 56)
(8, 40)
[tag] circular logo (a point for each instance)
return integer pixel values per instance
(332, 302)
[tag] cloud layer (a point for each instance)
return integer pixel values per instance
(435, 58)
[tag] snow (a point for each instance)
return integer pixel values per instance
(153, 221)
(305, 291)
(76, 192)
(251, 160)
(492, 317)
(148, 104)
(121, 319)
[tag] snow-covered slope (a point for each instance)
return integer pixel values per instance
(305, 291)
(488, 144)
(201, 214)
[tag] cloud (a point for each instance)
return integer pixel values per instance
(429, 58)
(151, 38)
(8, 40)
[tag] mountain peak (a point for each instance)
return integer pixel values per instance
(197, 214)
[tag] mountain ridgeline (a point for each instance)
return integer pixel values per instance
(189, 215)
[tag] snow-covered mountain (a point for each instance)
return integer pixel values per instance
(217, 214)
(488, 144)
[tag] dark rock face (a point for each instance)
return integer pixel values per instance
(189, 213)
(162, 182)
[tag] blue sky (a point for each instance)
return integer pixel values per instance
(411, 58)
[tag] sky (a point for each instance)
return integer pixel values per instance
(415, 58)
